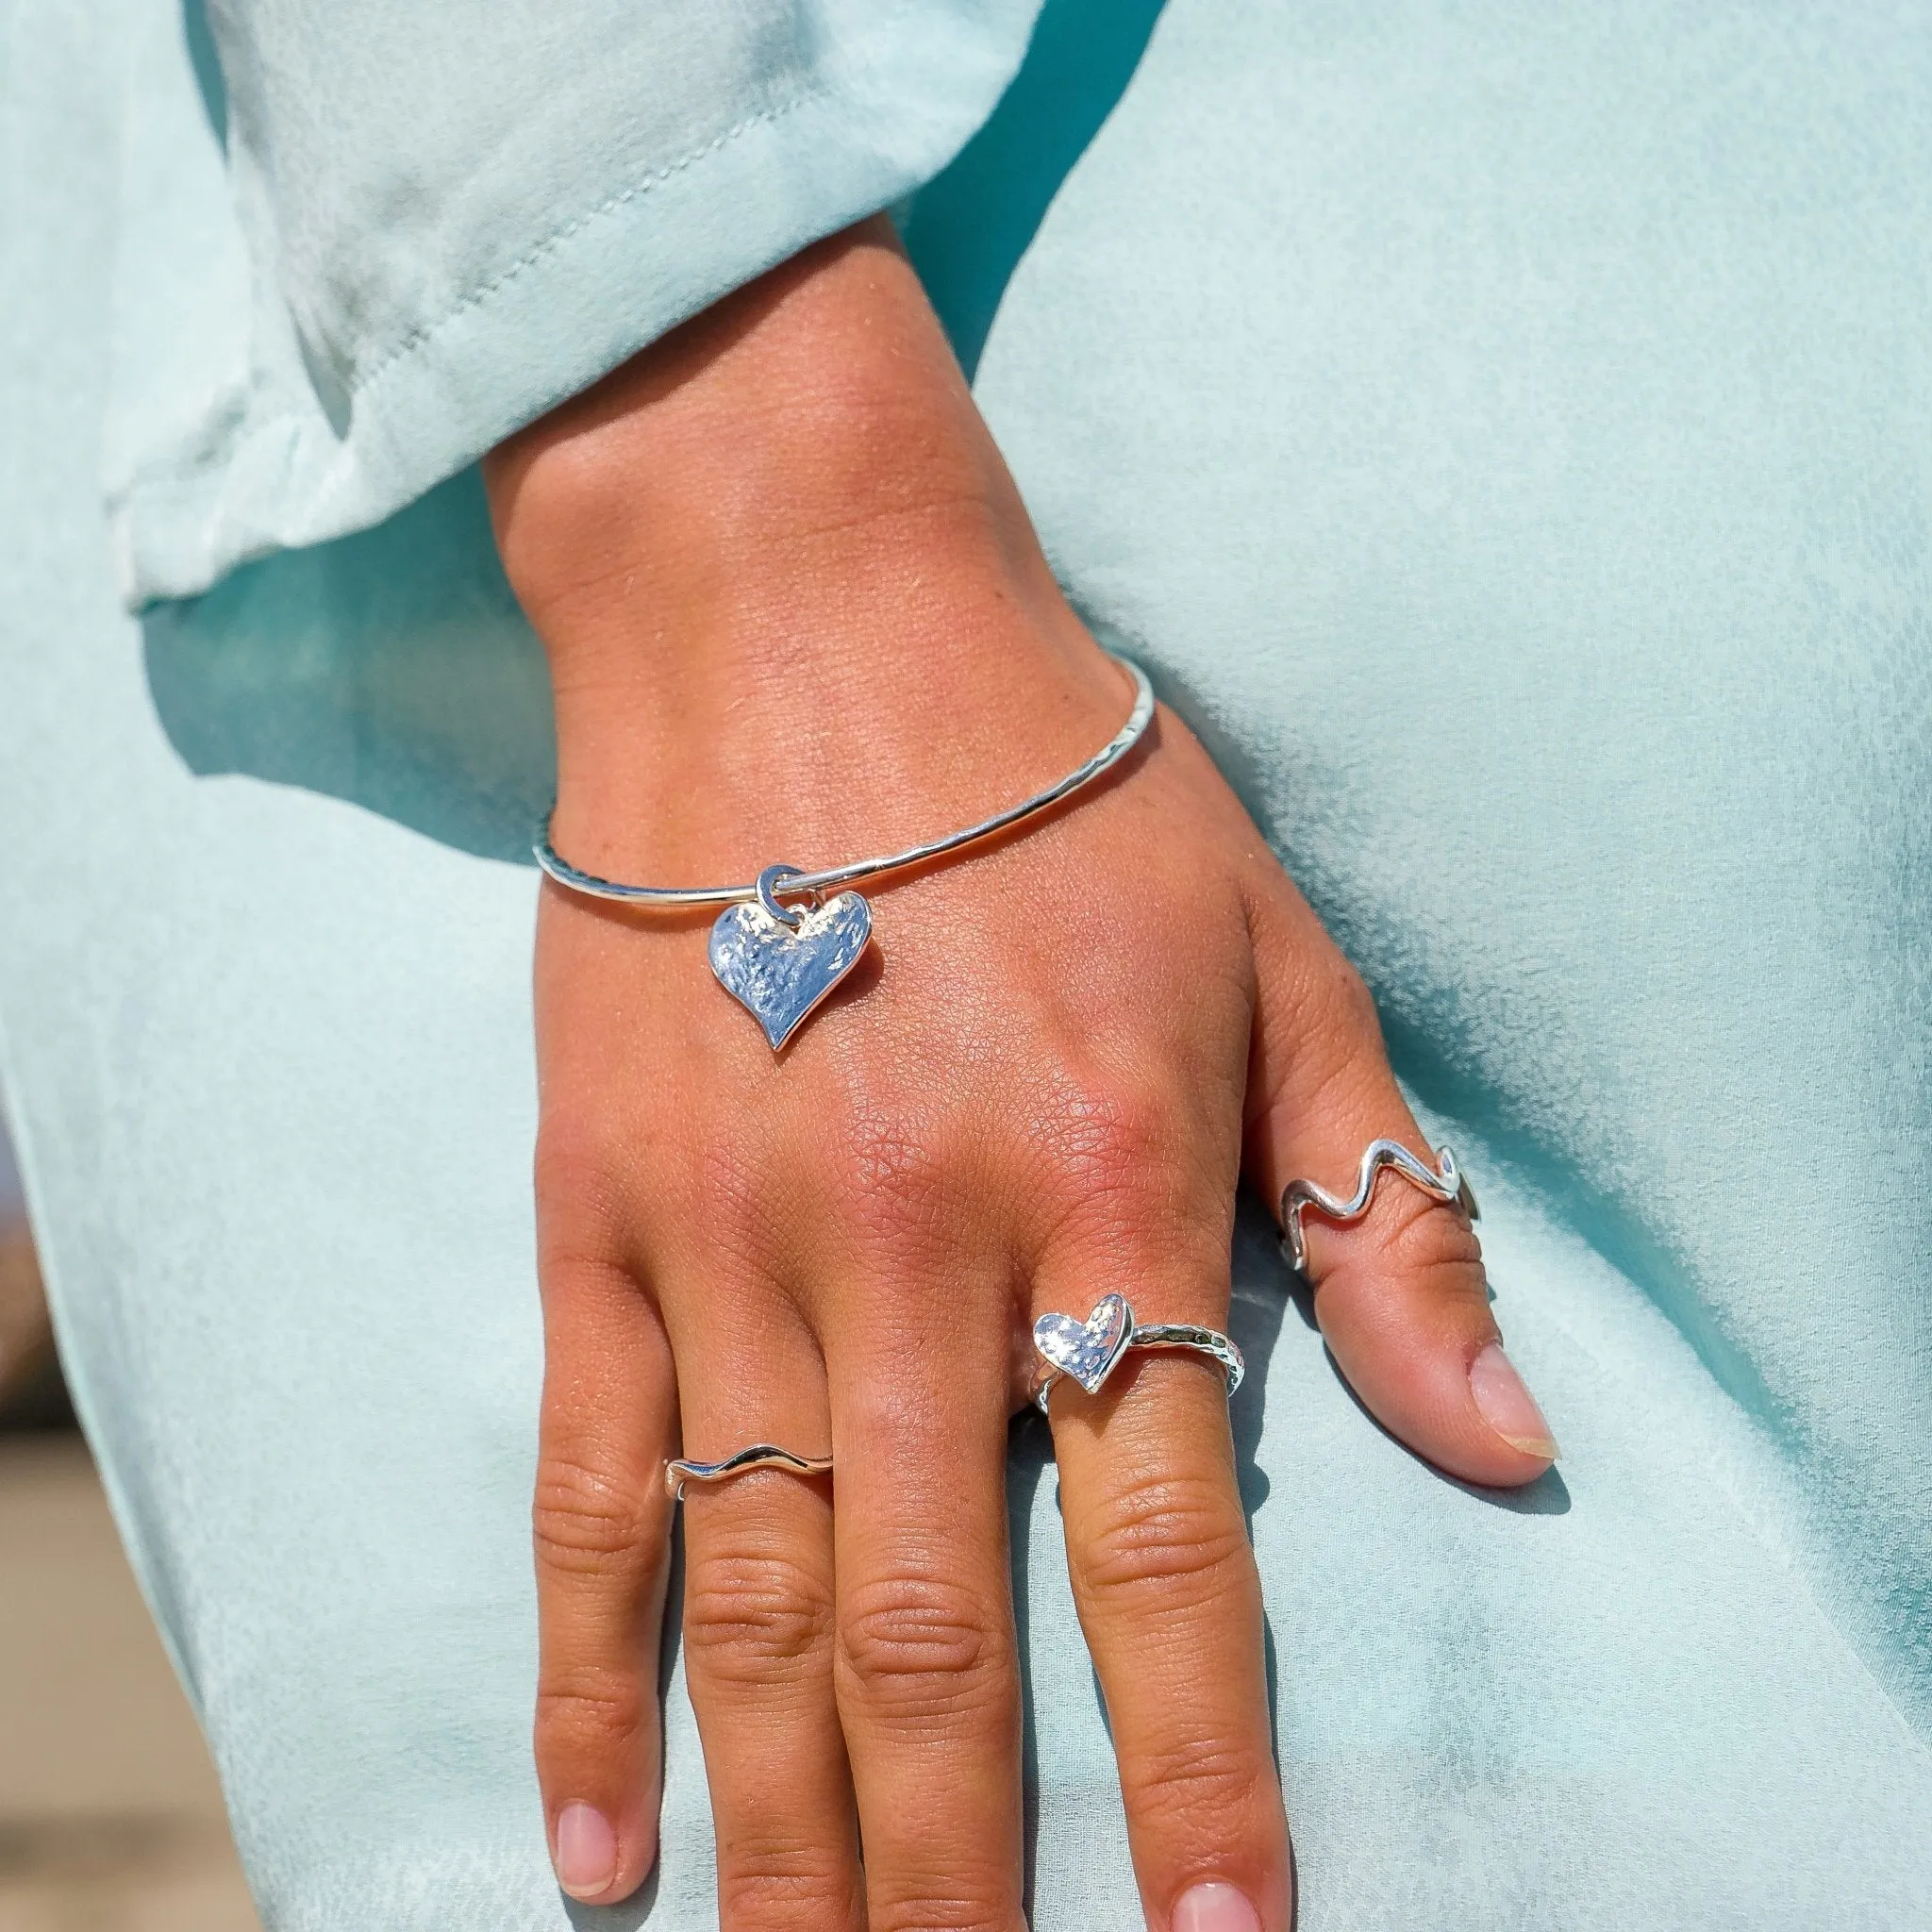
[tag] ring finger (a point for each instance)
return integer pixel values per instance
(758, 1628)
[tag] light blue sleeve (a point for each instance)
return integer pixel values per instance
(363, 242)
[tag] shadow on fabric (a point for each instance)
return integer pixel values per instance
(1029, 1449)
(207, 68)
(393, 668)
(967, 229)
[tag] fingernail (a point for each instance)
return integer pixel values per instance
(585, 1851)
(1507, 1406)
(1214, 1908)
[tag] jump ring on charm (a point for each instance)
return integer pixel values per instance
(760, 1456)
(1089, 1351)
(766, 880)
(1445, 1182)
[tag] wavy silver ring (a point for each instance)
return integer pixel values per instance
(760, 1456)
(1091, 1350)
(1445, 1182)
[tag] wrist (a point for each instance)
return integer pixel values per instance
(817, 748)
(803, 452)
(788, 591)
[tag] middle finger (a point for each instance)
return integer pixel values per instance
(927, 1668)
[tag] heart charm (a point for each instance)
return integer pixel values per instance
(1087, 1349)
(780, 972)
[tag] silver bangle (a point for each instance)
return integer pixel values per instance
(780, 961)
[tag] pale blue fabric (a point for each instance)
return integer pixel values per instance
(1503, 430)
(414, 228)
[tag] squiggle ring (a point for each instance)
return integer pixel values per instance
(1444, 1183)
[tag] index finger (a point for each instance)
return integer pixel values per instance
(1170, 1599)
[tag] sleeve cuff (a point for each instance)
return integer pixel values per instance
(256, 449)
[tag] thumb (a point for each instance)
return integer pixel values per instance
(1400, 1293)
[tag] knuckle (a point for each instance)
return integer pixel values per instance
(889, 1178)
(1112, 1129)
(1109, 1151)
(725, 1192)
(920, 1646)
(1337, 999)
(778, 1887)
(1433, 1239)
(1417, 1252)
(752, 1616)
(1195, 1777)
(1339, 1036)
(587, 1709)
(1163, 1547)
(934, 1911)
(577, 1167)
(586, 1521)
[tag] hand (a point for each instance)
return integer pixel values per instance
(795, 611)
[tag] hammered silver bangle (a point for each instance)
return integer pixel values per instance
(778, 961)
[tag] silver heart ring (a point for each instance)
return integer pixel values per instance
(1089, 1351)
(1444, 1183)
(760, 1456)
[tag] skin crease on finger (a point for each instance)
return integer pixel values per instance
(794, 610)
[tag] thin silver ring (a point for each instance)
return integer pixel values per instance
(760, 1456)
(1089, 1351)
(795, 884)
(1446, 1182)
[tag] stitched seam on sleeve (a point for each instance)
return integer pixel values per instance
(159, 474)
(418, 337)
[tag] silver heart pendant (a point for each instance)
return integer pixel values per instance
(779, 970)
(1087, 1349)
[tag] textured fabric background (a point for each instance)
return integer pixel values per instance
(1503, 430)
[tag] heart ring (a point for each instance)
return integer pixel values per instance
(1089, 1351)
